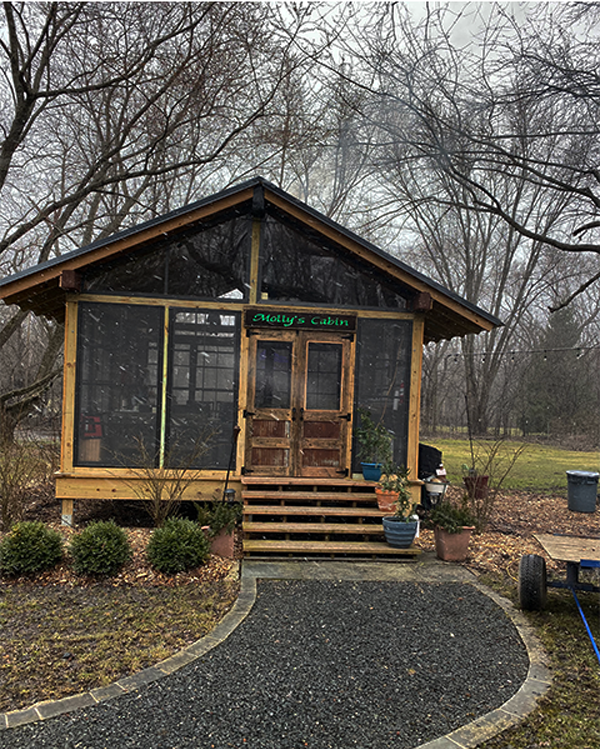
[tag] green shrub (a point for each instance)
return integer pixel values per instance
(100, 549)
(179, 545)
(30, 547)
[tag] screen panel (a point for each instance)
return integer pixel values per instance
(118, 395)
(383, 366)
(202, 387)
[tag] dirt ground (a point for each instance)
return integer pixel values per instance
(517, 516)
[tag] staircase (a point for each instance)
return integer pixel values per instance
(314, 517)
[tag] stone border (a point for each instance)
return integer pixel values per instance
(512, 712)
(52, 708)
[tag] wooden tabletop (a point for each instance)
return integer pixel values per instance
(569, 548)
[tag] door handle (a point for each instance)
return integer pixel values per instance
(301, 414)
(347, 417)
(293, 414)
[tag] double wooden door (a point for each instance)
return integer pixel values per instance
(299, 404)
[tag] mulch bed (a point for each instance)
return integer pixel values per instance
(516, 518)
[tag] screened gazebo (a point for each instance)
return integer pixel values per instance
(237, 337)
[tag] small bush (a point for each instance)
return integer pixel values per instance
(179, 545)
(101, 549)
(24, 464)
(30, 547)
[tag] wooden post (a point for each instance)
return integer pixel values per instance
(165, 376)
(66, 517)
(68, 405)
(414, 409)
(254, 260)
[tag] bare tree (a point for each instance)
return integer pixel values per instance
(114, 113)
(459, 153)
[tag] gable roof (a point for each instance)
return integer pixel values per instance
(41, 290)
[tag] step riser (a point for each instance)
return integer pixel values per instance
(314, 518)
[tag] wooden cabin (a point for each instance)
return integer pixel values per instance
(241, 334)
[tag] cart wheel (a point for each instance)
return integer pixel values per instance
(532, 582)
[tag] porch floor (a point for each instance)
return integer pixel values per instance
(310, 517)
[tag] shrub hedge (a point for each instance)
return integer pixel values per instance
(100, 549)
(30, 546)
(179, 545)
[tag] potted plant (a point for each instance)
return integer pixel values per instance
(400, 528)
(452, 528)
(391, 483)
(374, 445)
(218, 520)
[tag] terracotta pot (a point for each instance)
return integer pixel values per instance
(452, 547)
(386, 501)
(223, 544)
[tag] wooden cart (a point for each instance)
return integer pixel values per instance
(578, 552)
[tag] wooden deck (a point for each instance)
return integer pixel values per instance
(314, 518)
(569, 548)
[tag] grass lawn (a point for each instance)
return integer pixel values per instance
(540, 468)
(568, 717)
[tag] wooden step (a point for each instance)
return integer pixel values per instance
(315, 510)
(356, 548)
(310, 481)
(312, 496)
(318, 528)
(275, 506)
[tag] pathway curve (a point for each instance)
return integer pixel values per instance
(323, 655)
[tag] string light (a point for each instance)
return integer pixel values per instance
(578, 351)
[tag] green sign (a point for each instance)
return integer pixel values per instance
(299, 320)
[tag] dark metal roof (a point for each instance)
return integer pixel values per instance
(452, 315)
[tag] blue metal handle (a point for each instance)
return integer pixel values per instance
(589, 631)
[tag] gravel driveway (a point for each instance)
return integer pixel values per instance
(322, 664)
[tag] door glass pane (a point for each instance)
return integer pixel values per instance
(323, 376)
(273, 374)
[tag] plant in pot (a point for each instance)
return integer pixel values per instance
(392, 482)
(400, 528)
(218, 519)
(374, 445)
(452, 528)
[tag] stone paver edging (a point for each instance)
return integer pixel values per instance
(52, 708)
(513, 711)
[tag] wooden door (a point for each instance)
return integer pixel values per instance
(323, 405)
(299, 403)
(270, 408)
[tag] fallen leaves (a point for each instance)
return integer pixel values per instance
(517, 516)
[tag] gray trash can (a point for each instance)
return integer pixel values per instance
(583, 488)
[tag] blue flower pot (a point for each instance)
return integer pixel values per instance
(371, 471)
(398, 534)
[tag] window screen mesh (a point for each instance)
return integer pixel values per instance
(298, 267)
(119, 360)
(383, 366)
(202, 387)
(207, 261)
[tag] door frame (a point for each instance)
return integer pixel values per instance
(290, 437)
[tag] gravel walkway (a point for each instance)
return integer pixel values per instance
(320, 664)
